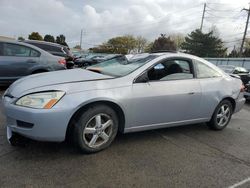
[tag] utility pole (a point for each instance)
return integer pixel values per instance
(203, 16)
(245, 32)
(81, 40)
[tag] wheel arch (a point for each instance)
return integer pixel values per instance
(231, 100)
(116, 107)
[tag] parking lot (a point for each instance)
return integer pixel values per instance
(187, 156)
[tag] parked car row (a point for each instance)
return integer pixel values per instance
(94, 59)
(242, 73)
(18, 59)
(55, 49)
(22, 58)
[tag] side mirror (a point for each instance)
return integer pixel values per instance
(142, 78)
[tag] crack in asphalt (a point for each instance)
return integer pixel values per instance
(230, 156)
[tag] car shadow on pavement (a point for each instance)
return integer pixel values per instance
(121, 143)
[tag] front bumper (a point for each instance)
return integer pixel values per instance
(48, 124)
(239, 102)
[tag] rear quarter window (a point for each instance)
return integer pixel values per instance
(204, 71)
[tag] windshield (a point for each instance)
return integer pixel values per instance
(121, 65)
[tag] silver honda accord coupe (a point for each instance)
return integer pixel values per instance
(126, 94)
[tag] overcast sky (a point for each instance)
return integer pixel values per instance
(103, 19)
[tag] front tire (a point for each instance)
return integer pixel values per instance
(221, 116)
(95, 129)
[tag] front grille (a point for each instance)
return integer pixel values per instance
(24, 124)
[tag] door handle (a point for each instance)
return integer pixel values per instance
(191, 93)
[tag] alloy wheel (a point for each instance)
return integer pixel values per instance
(98, 130)
(223, 115)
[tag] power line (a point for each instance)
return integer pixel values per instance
(224, 10)
(140, 20)
(144, 27)
(122, 27)
(237, 40)
(141, 27)
(226, 17)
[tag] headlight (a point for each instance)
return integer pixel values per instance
(45, 100)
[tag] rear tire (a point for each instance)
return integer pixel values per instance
(95, 129)
(221, 116)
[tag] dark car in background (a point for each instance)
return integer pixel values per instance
(242, 72)
(94, 59)
(18, 59)
(55, 49)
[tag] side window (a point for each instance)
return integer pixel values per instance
(34, 53)
(42, 46)
(204, 71)
(171, 70)
(55, 49)
(19, 51)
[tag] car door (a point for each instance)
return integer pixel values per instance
(171, 95)
(17, 61)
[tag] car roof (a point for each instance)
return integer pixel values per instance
(44, 42)
(25, 44)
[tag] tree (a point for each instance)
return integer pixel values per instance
(35, 36)
(149, 47)
(61, 39)
(119, 45)
(178, 40)
(163, 43)
(234, 53)
(141, 44)
(204, 44)
(20, 38)
(122, 45)
(246, 51)
(103, 48)
(49, 38)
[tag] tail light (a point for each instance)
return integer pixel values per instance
(242, 88)
(62, 62)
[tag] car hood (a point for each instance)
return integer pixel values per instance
(52, 78)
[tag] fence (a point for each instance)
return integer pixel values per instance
(241, 62)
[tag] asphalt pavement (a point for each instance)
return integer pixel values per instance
(186, 156)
